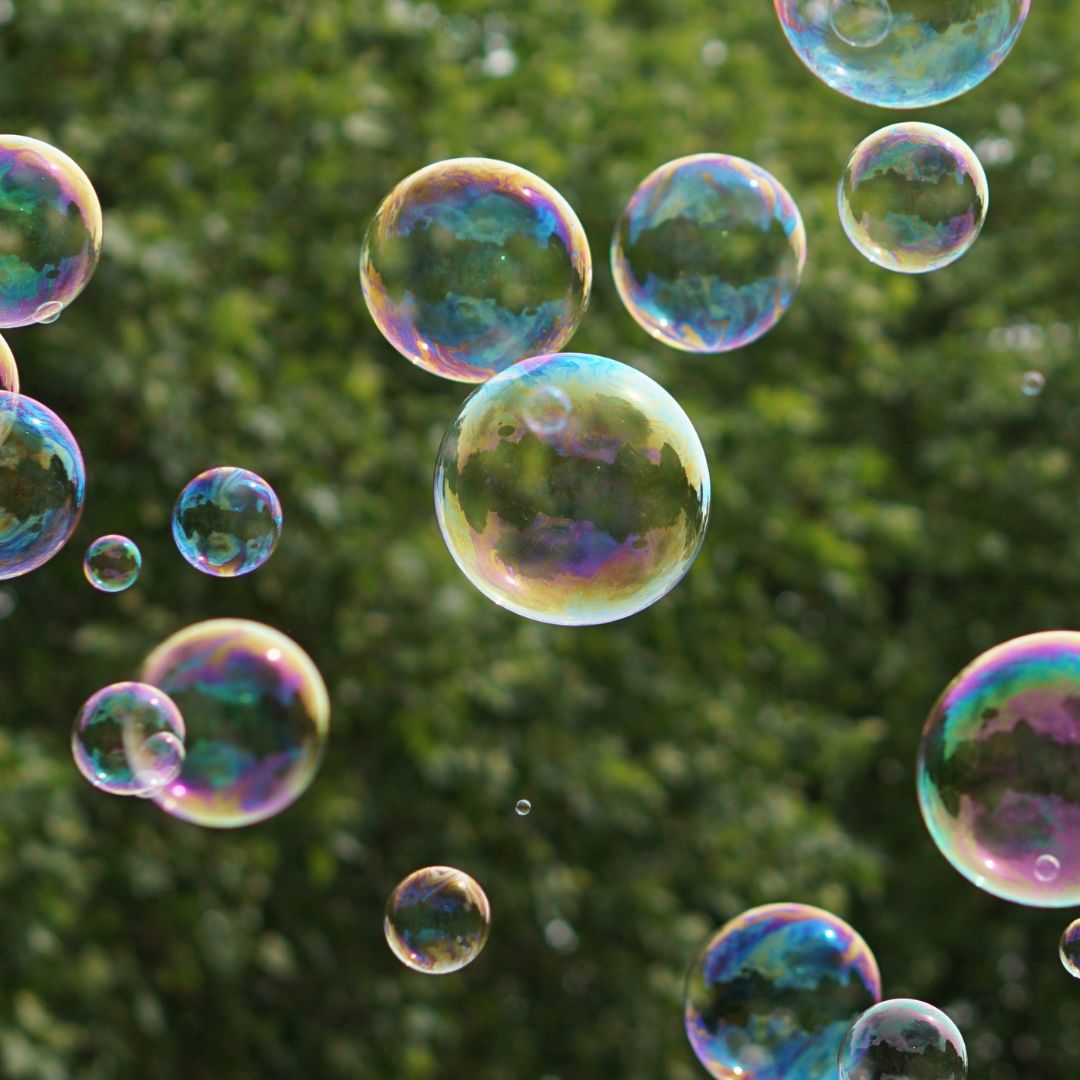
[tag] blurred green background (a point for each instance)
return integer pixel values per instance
(887, 503)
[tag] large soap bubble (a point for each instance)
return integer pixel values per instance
(437, 920)
(112, 563)
(582, 521)
(913, 197)
(772, 993)
(9, 370)
(999, 770)
(42, 484)
(902, 54)
(472, 264)
(50, 231)
(708, 253)
(903, 1039)
(257, 716)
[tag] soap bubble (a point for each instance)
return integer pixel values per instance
(257, 716)
(112, 563)
(9, 371)
(50, 231)
(913, 198)
(472, 264)
(1069, 950)
(111, 733)
(902, 54)
(227, 522)
(708, 253)
(523, 808)
(1032, 383)
(437, 920)
(155, 762)
(772, 993)
(903, 1039)
(999, 770)
(546, 410)
(584, 525)
(42, 484)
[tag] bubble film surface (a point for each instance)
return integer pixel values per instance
(110, 733)
(227, 522)
(112, 563)
(50, 231)
(772, 993)
(257, 716)
(9, 371)
(472, 264)
(437, 920)
(42, 484)
(583, 524)
(913, 198)
(902, 54)
(999, 770)
(1069, 949)
(903, 1039)
(708, 254)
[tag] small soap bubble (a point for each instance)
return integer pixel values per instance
(913, 198)
(523, 808)
(437, 920)
(1069, 950)
(1047, 868)
(111, 732)
(472, 264)
(9, 371)
(546, 410)
(156, 762)
(772, 993)
(50, 231)
(112, 563)
(1032, 383)
(903, 1039)
(227, 522)
(861, 23)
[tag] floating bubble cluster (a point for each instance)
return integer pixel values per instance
(903, 1039)
(999, 770)
(580, 525)
(708, 253)
(437, 920)
(772, 993)
(50, 231)
(227, 522)
(472, 264)
(112, 563)
(9, 371)
(257, 716)
(902, 54)
(128, 739)
(42, 484)
(1069, 949)
(913, 198)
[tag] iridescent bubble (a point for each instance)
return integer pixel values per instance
(903, 1039)
(437, 920)
(913, 198)
(227, 522)
(111, 732)
(1069, 949)
(902, 54)
(999, 770)
(257, 716)
(584, 525)
(155, 762)
(112, 563)
(708, 254)
(9, 371)
(42, 484)
(50, 231)
(1032, 383)
(772, 993)
(546, 410)
(523, 808)
(472, 264)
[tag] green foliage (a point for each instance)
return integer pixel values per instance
(886, 504)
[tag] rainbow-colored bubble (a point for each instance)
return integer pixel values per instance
(128, 739)
(1069, 949)
(913, 197)
(903, 1039)
(902, 54)
(708, 254)
(999, 770)
(42, 484)
(772, 993)
(472, 264)
(50, 231)
(9, 370)
(257, 715)
(578, 521)
(437, 920)
(227, 521)
(112, 563)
